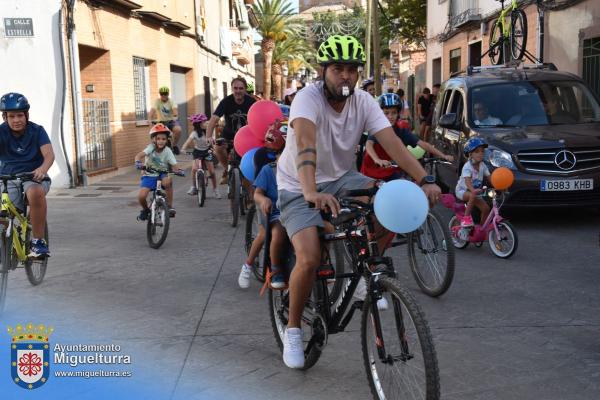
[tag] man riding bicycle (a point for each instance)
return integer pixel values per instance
(235, 110)
(326, 122)
(165, 111)
(25, 147)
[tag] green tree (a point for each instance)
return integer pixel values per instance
(409, 21)
(273, 25)
(295, 51)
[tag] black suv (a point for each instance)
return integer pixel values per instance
(541, 123)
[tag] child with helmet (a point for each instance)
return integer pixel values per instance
(470, 183)
(265, 197)
(376, 163)
(157, 155)
(202, 151)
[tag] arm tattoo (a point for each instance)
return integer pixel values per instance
(306, 163)
(307, 150)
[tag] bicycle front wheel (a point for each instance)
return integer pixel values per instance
(36, 269)
(5, 246)
(505, 243)
(201, 185)
(518, 34)
(398, 349)
(497, 45)
(158, 223)
(431, 255)
(234, 195)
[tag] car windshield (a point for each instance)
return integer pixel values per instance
(532, 103)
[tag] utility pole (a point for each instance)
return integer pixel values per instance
(376, 50)
(367, 71)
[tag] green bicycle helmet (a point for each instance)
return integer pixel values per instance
(343, 49)
(163, 90)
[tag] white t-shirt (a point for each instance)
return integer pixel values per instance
(337, 134)
(469, 171)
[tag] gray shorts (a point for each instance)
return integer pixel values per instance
(14, 192)
(295, 213)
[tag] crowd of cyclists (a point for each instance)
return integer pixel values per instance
(298, 173)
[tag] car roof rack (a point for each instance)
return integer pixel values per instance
(516, 65)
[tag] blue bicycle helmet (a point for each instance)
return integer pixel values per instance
(366, 83)
(13, 102)
(285, 110)
(388, 100)
(474, 143)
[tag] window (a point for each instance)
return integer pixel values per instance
(475, 54)
(591, 63)
(436, 67)
(140, 88)
(454, 60)
(224, 89)
(207, 97)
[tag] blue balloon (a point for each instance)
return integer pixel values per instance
(401, 206)
(247, 164)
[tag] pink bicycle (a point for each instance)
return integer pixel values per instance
(500, 234)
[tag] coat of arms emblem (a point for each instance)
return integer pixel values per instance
(30, 355)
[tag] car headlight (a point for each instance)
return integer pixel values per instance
(500, 158)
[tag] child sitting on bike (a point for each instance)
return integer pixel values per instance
(265, 197)
(202, 151)
(376, 163)
(470, 183)
(158, 156)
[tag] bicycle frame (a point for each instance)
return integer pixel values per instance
(480, 230)
(502, 17)
(18, 236)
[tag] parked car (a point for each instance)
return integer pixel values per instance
(541, 123)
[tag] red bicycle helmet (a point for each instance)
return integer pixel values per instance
(159, 128)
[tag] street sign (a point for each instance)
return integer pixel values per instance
(18, 27)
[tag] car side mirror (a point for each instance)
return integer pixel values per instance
(449, 121)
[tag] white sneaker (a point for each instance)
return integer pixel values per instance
(361, 293)
(216, 194)
(193, 191)
(293, 348)
(244, 278)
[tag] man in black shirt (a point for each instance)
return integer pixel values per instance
(235, 110)
(423, 105)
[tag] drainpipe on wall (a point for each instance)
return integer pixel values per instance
(76, 94)
(540, 38)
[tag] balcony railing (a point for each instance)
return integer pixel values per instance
(464, 11)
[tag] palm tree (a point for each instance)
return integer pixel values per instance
(273, 17)
(294, 50)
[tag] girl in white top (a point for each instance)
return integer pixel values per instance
(471, 180)
(202, 151)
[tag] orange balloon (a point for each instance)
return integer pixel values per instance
(502, 178)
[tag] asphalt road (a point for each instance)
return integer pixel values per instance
(523, 328)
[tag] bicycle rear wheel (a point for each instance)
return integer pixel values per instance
(313, 328)
(497, 45)
(201, 185)
(518, 34)
(234, 195)
(252, 226)
(409, 368)
(158, 223)
(431, 255)
(36, 269)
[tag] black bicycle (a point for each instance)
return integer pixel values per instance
(157, 226)
(398, 351)
(237, 193)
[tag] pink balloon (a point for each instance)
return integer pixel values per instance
(262, 114)
(245, 140)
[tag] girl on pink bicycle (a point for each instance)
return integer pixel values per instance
(202, 153)
(470, 183)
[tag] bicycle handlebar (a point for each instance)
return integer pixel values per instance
(23, 176)
(162, 171)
